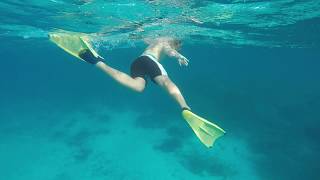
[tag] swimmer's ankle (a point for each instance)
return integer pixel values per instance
(100, 63)
(186, 108)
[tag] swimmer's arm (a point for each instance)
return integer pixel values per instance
(173, 53)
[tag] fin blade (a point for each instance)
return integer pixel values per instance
(206, 131)
(72, 42)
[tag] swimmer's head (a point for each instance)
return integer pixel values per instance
(176, 44)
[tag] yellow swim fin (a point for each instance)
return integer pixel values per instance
(72, 42)
(206, 131)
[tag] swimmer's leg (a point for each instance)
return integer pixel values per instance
(136, 84)
(172, 89)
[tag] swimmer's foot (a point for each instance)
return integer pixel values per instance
(88, 56)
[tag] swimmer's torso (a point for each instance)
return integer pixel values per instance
(155, 49)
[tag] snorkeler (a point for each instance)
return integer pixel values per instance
(145, 66)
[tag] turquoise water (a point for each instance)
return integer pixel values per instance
(254, 70)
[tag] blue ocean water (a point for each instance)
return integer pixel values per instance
(254, 70)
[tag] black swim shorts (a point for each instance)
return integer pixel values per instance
(146, 66)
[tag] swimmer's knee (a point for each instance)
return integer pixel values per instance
(139, 89)
(139, 85)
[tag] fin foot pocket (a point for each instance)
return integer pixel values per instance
(185, 108)
(89, 57)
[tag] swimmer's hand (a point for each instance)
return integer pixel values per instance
(183, 61)
(174, 53)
